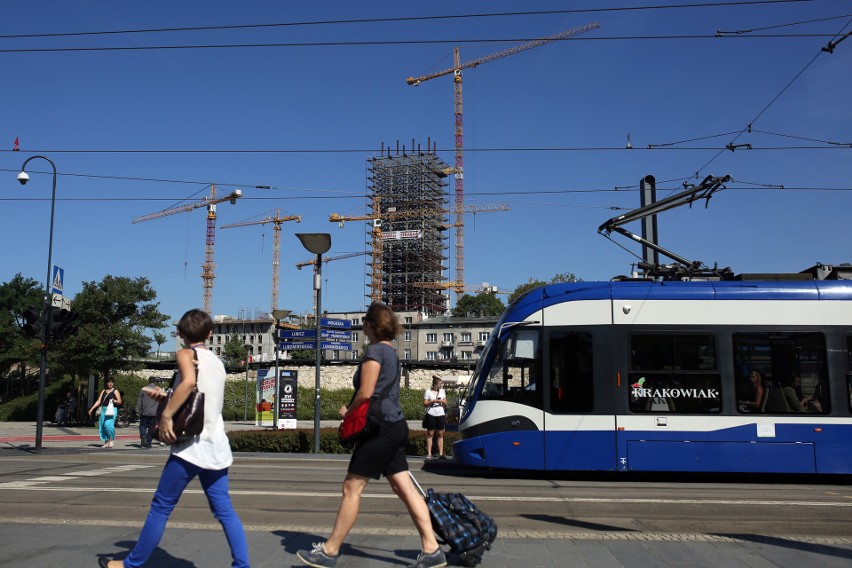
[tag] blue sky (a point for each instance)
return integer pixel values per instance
(225, 115)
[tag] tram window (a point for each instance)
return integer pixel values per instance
(514, 373)
(571, 379)
(792, 370)
(674, 374)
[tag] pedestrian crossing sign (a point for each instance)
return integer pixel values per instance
(56, 281)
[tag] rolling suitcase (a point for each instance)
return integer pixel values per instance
(460, 524)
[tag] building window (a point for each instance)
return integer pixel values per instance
(407, 336)
(335, 355)
(354, 355)
(355, 321)
(431, 338)
(407, 355)
(448, 337)
(431, 355)
(409, 320)
(465, 337)
(466, 355)
(354, 336)
(484, 335)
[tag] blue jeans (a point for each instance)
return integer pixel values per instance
(175, 477)
(145, 424)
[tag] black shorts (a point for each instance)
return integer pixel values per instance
(383, 454)
(435, 422)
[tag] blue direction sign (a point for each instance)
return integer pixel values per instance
(300, 345)
(334, 334)
(335, 323)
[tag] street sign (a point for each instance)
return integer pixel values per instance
(60, 301)
(56, 281)
(334, 334)
(335, 323)
(301, 345)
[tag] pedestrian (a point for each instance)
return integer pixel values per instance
(381, 454)
(207, 456)
(108, 400)
(146, 408)
(435, 418)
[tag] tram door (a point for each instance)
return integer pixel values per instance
(576, 437)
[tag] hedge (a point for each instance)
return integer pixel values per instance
(301, 441)
(234, 408)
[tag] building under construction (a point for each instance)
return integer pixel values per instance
(409, 206)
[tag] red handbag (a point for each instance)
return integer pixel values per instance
(364, 421)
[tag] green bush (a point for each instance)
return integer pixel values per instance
(302, 441)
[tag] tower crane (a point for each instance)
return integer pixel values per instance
(377, 216)
(476, 288)
(210, 202)
(458, 168)
(313, 261)
(278, 220)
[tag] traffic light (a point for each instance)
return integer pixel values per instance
(63, 323)
(30, 327)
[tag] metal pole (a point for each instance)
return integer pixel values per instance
(47, 315)
(318, 288)
(245, 399)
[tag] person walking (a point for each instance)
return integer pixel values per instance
(381, 454)
(146, 408)
(206, 456)
(108, 400)
(435, 419)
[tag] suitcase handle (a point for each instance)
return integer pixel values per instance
(417, 485)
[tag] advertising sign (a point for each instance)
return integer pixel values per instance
(287, 397)
(265, 397)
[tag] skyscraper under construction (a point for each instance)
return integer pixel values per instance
(409, 204)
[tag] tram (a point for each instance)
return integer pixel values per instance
(748, 374)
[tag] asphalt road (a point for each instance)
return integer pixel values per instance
(302, 493)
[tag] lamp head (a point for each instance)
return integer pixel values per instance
(23, 177)
(316, 243)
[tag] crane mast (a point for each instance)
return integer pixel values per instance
(208, 268)
(276, 245)
(458, 120)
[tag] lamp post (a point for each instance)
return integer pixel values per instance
(318, 244)
(245, 400)
(24, 177)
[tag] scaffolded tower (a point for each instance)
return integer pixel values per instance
(408, 198)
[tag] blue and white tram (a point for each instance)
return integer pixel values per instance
(640, 375)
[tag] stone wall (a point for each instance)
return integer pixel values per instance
(337, 376)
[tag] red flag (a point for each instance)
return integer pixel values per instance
(17, 147)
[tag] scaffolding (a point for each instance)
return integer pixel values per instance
(409, 201)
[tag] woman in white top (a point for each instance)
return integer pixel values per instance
(206, 456)
(435, 419)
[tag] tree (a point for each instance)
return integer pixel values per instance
(234, 351)
(114, 315)
(16, 296)
(480, 305)
(557, 279)
(159, 339)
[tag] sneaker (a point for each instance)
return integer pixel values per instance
(318, 558)
(431, 560)
(442, 457)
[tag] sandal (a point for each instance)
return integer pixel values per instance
(111, 443)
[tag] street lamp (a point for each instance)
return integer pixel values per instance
(24, 177)
(318, 244)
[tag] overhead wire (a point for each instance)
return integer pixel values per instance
(407, 19)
